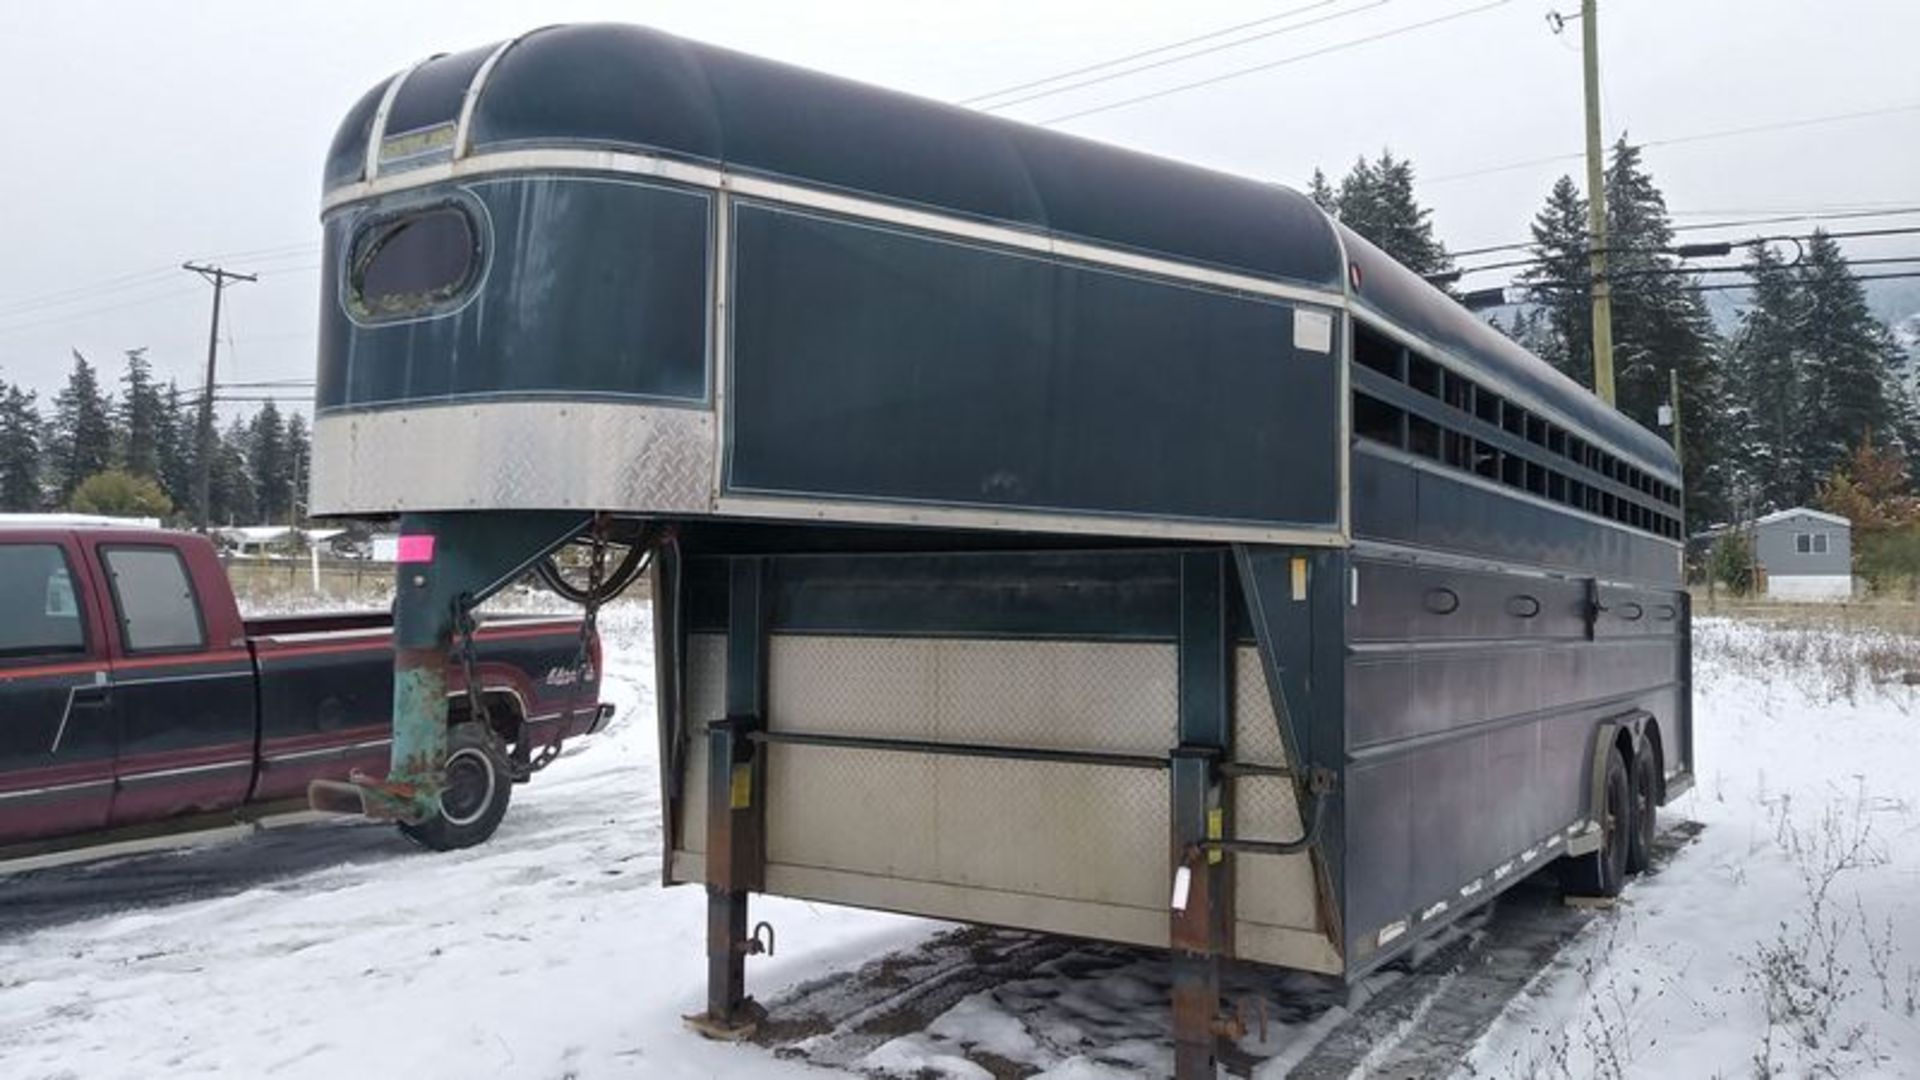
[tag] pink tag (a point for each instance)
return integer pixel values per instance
(415, 549)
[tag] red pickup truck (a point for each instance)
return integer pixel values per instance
(134, 699)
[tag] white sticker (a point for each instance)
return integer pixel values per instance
(1182, 884)
(1312, 331)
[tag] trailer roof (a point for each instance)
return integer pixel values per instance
(633, 88)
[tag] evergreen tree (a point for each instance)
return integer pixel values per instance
(267, 461)
(1660, 325)
(299, 454)
(82, 438)
(1376, 200)
(174, 449)
(230, 491)
(141, 416)
(20, 451)
(1557, 283)
(1767, 381)
(1848, 359)
(1322, 193)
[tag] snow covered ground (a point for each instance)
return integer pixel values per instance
(1783, 940)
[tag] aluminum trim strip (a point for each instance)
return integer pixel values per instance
(787, 509)
(377, 131)
(790, 194)
(463, 127)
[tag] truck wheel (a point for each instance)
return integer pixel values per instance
(1646, 808)
(476, 795)
(1603, 872)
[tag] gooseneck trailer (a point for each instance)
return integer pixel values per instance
(1045, 535)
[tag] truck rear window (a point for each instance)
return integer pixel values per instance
(42, 611)
(412, 263)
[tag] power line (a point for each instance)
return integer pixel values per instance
(1142, 54)
(1701, 136)
(1282, 62)
(1520, 245)
(89, 312)
(1182, 58)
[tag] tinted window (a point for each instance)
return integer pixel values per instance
(37, 595)
(406, 265)
(154, 599)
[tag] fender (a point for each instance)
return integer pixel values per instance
(1587, 838)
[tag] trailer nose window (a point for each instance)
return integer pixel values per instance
(411, 264)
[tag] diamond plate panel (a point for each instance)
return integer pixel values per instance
(1272, 891)
(706, 699)
(1073, 832)
(515, 455)
(1118, 697)
(1276, 891)
(1256, 728)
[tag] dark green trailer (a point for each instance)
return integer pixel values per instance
(1046, 535)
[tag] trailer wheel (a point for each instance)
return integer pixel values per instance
(1646, 809)
(475, 799)
(1603, 872)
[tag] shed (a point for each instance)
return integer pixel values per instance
(1805, 554)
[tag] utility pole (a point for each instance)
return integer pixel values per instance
(1596, 200)
(203, 437)
(1597, 209)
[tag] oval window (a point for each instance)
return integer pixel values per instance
(413, 263)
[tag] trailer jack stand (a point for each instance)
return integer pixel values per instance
(739, 1027)
(377, 799)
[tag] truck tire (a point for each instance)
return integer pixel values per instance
(478, 789)
(1602, 873)
(1646, 809)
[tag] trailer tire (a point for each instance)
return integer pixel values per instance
(1646, 809)
(1602, 873)
(479, 786)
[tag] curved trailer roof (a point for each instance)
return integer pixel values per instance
(631, 88)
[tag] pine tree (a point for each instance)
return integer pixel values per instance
(267, 460)
(299, 455)
(1848, 359)
(173, 448)
(82, 440)
(1322, 194)
(1557, 282)
(1660, 325)
(20, 451)
(1767, 381)
(141, 416)
(230, 490)
(1376, 200)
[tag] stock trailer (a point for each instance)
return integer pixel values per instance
(1040, 534)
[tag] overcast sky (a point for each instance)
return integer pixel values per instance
(141, 135)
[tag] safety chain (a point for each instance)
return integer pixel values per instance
(583, 652)
(465, 623)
